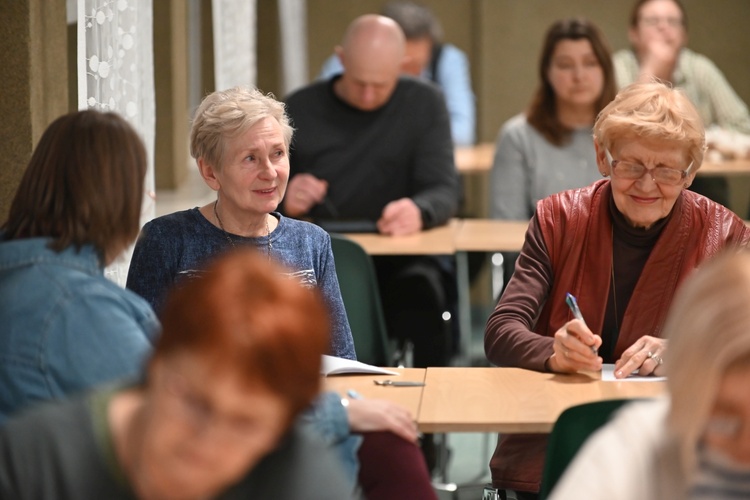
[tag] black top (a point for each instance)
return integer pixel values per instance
(370, 158)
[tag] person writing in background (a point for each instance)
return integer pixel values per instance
(695, 442)
(622, 246)
(65, 326)
(658, 39)
(238, 359)
(428, 57)
(548, 148)
(373, 145)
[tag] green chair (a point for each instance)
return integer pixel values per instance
(359, 290)
(570, 431)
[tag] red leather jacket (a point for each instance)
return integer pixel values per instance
(573, 230)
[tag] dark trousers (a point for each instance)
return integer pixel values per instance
(392, 469)
(415, 292)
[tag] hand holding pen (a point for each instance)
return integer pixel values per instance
(573, 305)
(575, 346)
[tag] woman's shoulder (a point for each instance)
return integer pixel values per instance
(176, 221)
(295, 228)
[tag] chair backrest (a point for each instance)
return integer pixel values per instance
(570, 431)
(359, 290)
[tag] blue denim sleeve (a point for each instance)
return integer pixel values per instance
(328, 419)
(331, 66)
(454, 78)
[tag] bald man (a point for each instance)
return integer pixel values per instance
(375, 147)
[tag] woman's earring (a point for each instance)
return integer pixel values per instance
(604, 174)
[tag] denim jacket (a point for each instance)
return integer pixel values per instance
(63, 326)
(328, 418)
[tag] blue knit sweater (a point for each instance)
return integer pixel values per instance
(177, 246)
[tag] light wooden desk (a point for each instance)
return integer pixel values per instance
(436, 241)
(476, 158)
(489, 235)
(728, 168)
(408, 397)
(512, 400)
(479, 158)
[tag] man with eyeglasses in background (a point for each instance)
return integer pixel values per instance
(658, 38)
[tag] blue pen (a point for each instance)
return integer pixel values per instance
(573, 305)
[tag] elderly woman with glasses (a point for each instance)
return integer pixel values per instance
(622, 246)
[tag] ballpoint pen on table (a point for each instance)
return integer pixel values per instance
(399, 383)
(573, 305)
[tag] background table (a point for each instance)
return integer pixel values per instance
(436, 241)
(409, 397)
(512, 400)
(479, 158)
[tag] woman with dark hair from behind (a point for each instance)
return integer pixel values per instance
(549, 148)
(238, 360)
(65, 326)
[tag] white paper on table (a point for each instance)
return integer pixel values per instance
(608, 375)
(338, 366)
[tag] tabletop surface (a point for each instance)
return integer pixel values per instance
(479, 158)
(489, 235)
(436, 241)
(409, 397)
(513, 400)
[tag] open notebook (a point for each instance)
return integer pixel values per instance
(339, 366)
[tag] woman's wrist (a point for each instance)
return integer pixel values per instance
(549, 364)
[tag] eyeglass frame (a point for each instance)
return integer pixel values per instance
(652, 21)
(613, 164)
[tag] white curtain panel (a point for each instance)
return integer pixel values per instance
(235, 35)
(293, 24)
(116, 73)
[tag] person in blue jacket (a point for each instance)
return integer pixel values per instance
(66, 327)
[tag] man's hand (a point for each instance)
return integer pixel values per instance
(369, 415)
(303, 193)
(400, 217)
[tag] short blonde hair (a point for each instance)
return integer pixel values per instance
(653, 110)
(228, 113)
(709, 331)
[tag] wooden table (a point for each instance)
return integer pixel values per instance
(512, 400)
(476, 158)
(436, 241)
(479, 158)
(490, 235)
(409, 397)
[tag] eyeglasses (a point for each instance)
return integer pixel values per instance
(672, 22)
(634, 171)
(199, 414)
